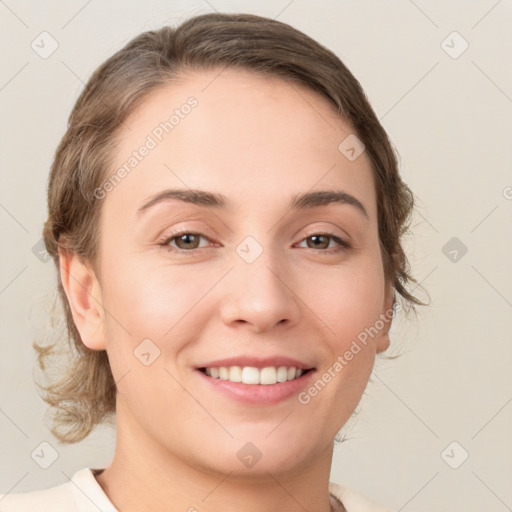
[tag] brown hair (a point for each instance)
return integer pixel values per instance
(86, 394)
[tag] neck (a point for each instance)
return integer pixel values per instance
(144, 477)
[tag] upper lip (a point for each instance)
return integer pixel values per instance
(257, 362)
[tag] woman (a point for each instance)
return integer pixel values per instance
(225, 213)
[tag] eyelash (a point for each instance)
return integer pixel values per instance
(342, 244)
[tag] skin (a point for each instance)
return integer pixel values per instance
(260, 142)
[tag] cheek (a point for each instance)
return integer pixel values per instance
(349, 303)
(161, 304)
(348, 300)
(150, 301)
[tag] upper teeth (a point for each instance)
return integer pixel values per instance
(252, 375)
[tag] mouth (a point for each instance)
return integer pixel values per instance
(254, 376)
(261, 385)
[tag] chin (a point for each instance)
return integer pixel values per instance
(249, 457)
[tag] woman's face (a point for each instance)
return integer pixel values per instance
(255, 280)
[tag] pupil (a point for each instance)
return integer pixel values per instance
(187, 238)
(316, 239)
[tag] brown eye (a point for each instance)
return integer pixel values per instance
(183, 241)
(321, 242)
(187, 241)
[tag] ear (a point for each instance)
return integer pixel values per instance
(83, 292)
(386, 316)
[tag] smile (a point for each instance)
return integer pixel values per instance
(254, 376)
(250, 385)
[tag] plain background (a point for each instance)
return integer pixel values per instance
(448, 111)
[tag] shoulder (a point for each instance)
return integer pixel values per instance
(80, 494)
(55, 499)
(354, 501)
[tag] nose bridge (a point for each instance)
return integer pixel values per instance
(259, 292)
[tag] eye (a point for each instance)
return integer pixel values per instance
(321, 241)
(185, 241)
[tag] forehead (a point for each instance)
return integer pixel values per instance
(239, 132)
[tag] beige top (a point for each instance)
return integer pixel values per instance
(83, 493)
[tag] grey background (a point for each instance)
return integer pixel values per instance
(449, 114)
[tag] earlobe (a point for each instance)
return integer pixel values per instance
(383, 343)
(84, 296)
(387, 318)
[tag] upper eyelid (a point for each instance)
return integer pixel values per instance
(167, 239)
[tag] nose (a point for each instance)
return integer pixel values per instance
(260, 294)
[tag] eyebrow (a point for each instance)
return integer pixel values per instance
(301, 201)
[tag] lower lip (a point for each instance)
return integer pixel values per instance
(259, 394)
